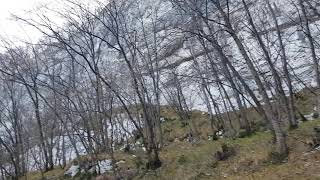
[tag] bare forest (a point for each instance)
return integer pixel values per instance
(111, 77)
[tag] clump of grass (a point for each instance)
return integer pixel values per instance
(56, 173)
(86, 175)
(182, 160)
(243, 133)
(277, 158)
(259, 126)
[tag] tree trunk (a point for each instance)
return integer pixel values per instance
(290, 107)
(281, 146)
(307, 31)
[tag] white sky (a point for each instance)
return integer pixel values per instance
(17, 31)
(10, 28)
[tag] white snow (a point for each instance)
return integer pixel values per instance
(72, 171)
(105, 166)
(309, 117)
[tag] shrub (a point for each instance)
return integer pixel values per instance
(258, 125)
(226, 152)
(86, 175)
(315, 115)
(183, 124)
(243, 133)
(182, 159)
(171, 139)
(138, 162)
(167, 130)
(277, 158)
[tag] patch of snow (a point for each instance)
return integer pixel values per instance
(105, 166)
(309, 117)
(121, 162)
(72, 171)
(219, 133)
(138, 143)
(315, 108)
(124, 147)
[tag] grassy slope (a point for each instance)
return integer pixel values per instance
(186, 161)
(182, 160)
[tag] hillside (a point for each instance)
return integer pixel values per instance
(184, 160)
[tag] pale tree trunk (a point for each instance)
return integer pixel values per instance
(249, 63)
(290, 107)
(43, 145)
(221, 123)
(281, 145)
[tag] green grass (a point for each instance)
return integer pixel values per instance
(183, 160)
(57, 173)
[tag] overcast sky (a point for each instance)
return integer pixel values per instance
(11, 29)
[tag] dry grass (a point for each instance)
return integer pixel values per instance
(250, 162)
(184, 161)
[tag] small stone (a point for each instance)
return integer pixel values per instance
(307, 164)
(121, 162)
